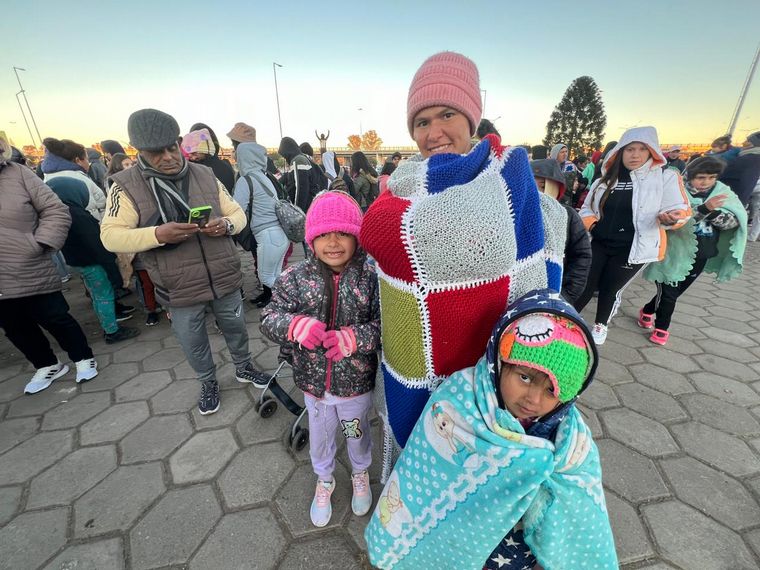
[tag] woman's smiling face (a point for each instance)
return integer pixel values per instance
(439, 130)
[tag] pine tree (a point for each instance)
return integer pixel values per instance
(579, 120)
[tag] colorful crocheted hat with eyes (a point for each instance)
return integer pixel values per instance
(198, 141)
(550, 343)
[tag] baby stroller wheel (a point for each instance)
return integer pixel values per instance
(301, 439)
(268, 408)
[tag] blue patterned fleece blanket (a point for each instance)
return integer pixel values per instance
(469, 473)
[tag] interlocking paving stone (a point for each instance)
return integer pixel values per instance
(753, 539)
(111, 376)
(235, 482)
(694, 310)
(179, 396)
(355, 525)
(726, 389)
(13, 432)
(71, 476)
(294, 499)
(639, 432)
(591, 419)
(118, 500)
(651, 403)
(31, 538)
(105, 554)
(684, 331)
(242, 540)
(253, 429)
(34, 455)
(233, 404)
(727, 367)
(663, 380)
(136, 352)
(76, 411)
(612, 373)
(733, 314)
(712, 492)
(619, 353)
(670, 360)
(156, 438)
(320, 554)
(630, 474)
(720, 414)
(599, 396)
(143, 386)
(717, 448)
(202, 456)
(166, 359)
(735, 353)
(691, 540)
(113, 423)
(174, 527)
(7, 372)
(631, 540)
(12, 388)
(9, 501)
(41, 402)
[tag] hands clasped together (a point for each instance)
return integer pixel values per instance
(311, 333)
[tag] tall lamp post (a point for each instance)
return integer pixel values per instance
(743, 96)
(361, 133)
(22, 92)
(485, 93)
(277, 94)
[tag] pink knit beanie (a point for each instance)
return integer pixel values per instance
(332, 212)
(447, 79)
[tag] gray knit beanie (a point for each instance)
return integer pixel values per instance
(754, 138)
(150, 129)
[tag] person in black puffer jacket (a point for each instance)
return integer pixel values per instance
(577, 262)
(222, 168)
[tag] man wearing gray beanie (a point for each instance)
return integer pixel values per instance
(194, 266)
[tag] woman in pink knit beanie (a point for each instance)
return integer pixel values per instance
(327, 307)
(457, 234)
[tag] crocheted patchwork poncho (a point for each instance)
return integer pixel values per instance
(455, 237)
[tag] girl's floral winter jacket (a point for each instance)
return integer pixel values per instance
(300, 290)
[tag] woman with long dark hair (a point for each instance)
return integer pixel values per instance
(627, 212)
(119, 162)
(365, 180)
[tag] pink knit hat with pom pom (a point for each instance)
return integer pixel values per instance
(447, 79)
(332, 211)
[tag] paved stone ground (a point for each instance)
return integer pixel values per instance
(122, 472)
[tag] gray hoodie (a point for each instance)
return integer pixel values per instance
(252, 162)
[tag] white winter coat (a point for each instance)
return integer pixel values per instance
(654, 191)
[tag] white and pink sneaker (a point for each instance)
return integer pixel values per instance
(321, 506)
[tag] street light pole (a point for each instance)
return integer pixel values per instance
(743, 95)
(277, 94)
(23, 93)
(361, 133)
(485, 93)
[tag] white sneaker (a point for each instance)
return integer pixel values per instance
(362, 499)
(321, 508)
(44, 377)
(599, 333)
(87, 369)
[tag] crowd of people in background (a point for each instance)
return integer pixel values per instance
(421, 277)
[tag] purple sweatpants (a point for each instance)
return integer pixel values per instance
(330, 414)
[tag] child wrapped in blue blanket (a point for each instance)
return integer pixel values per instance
(501, 469)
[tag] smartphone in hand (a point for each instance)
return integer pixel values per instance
(200, 215)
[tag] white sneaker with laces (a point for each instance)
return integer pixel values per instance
(599, 333)
(362, 499)
(321, 508)
(87, 369)
(44, 377)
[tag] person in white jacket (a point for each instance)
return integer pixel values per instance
(627, 212)
(68, 158)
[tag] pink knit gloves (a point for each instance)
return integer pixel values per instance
(306, 331)
(310, 333)
(339, 344)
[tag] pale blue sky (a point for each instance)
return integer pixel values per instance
(677, 65)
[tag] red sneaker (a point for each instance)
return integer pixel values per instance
(659, 336)
(646, 320)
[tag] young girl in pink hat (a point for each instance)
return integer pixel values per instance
(327, 307)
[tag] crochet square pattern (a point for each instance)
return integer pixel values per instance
(462, 320)
(402, 331)
(387, 239)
